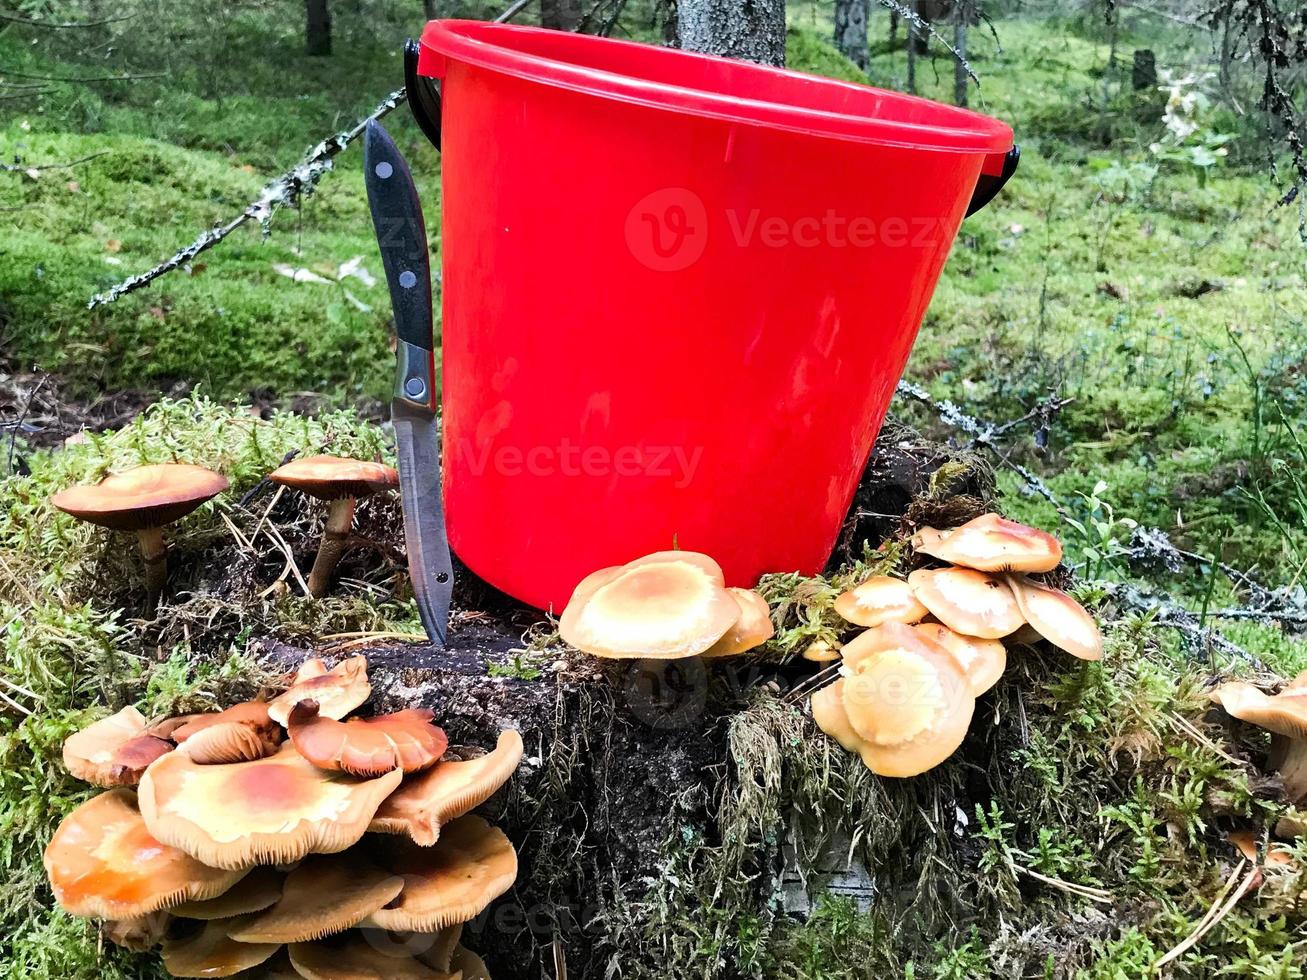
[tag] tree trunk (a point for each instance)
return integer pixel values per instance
(893, 29)
(920, 36)
(750, 29)
(961, 15)
(317, 32)
(851, 31)
(912, 56)
(561, 15)
(429, 7)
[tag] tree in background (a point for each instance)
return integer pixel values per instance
(851, 31)
(561, 15)
(749, 29)
(317, 27)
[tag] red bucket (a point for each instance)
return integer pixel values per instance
(677, 294)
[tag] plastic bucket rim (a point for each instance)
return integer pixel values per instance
(452, 39)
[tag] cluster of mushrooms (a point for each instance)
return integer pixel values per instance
(933, 644)
(285, 839)
(665, 606)
(147, 499)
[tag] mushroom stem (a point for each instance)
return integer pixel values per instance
(154, 551)
(1289, 757)
(335, 535)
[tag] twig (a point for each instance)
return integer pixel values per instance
(1214, 916)
(912, 17)
(21, 168)
(18, 423)
(1084, 891)
(57, 25)
(124, 77)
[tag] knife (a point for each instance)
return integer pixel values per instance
(402, 236)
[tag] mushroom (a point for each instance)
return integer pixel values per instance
(337, 691)
(1277, 855)
(1284, 715)
(103, 863)
(144, 500)
(425, 803)
(469, 964)
(441, 947)
(452, 881)
(752, 629)
(821, 652)
(274, 810)
(991, 543)
(1058, 618)
(354, 958)
(969, 602)
(664, 606)
(323, 896)
(241, 733)
(207, 950)
(405, 740)
(340, 482)
(255, 892)
(983, 660)
(905, 699)
(880, 599)
(138, 935)
(113, 751)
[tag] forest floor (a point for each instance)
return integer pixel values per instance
(1168, 301)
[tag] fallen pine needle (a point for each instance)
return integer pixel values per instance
(1214, 915)
(1084, 891)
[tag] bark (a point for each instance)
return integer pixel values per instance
(561, 15)
(317, 29)
(961, 15)
(750, 29)
(851, 31)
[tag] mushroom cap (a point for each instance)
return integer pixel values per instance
(880, 599)
(991, 543)
(255, 892)
(140, 934)
(587, 586)
(821, 652)
(468, 963)
(404, 740)
(325, 895)
(209, 951)
(354, 958)
(334, 477)
(452, 881)
(907, 698)
(425, 803)
(103, 863)
(274, 810)
(113, 751)
(752, 629)
(983, 660)
(663, 609)
(1283, 714)
(696, 558)
(241, 733)
(148, 496)
(1058, 618)
(967, 601)
(829, 714)
(338, 691)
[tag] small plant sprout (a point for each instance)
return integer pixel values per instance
(340, 482)
(666, 606)
(405, 740)
(1284, 715)
(144, 501)
(880, 599)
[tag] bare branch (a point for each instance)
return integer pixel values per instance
(58, 25)
(910, 15)
(24, 168)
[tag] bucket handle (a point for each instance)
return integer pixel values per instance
(423, 94)
(994, 173)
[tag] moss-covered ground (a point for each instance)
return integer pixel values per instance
(1078, 834)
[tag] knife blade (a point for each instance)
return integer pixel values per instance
(402, 238)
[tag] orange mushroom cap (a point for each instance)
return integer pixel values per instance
(337, 691)
(353, 958)
(1283, 714)
(1058, 618)
(274, 810)
(426, 802)
(148, 496)
(404, 740)
(207, 950)
(752, 629)
(983, 660)
(241, 733)
(967, 601)
(113, 751)
(452, 881)
(334, 477)
(821, 652)
(880, 599)
(907, 698)
(325, 895)
(668, 608)
(255, 892)
(991, 543)
(103, 863)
